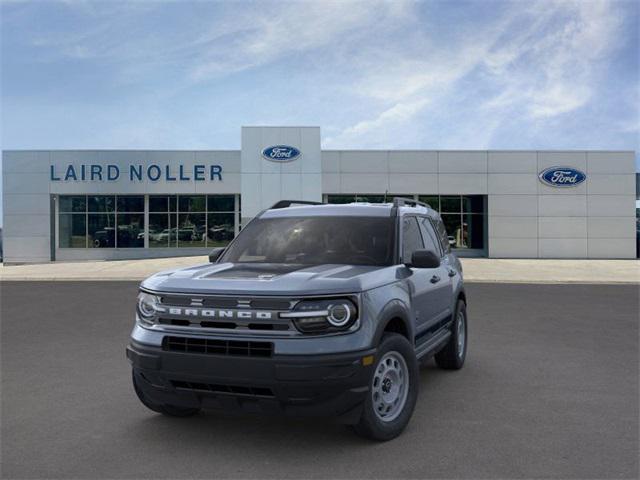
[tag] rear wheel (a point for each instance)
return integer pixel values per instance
(452, 356)
(170, 410)
(393, 390)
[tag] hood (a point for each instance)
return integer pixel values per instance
(271, 279)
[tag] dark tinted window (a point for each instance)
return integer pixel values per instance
(373, 198)
(341, 198)
(158, 203)
(429, 237)
(220, 203)
(101, 228)
(102, 203)
(72, 229)
(73, 203)
(159, 232)
(451, 204)
(315, 241)
(432, 200)
(192, 203)
(220, 229)
(191, 230)
(411, 238)
(130, 230)
(453, 227)
(131, 203)
(473, 204)
(444, 238)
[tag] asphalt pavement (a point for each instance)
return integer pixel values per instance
(549, 390)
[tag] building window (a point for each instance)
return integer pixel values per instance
(118, 221)
(73, 230)
(464, 217)
(101, 221)
(191, 221)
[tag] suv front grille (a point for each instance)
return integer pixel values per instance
(230, 389)
(233, 314)
(217, 347)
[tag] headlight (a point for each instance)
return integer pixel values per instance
(323, 316)
(147, 306)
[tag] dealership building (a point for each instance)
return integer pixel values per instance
(69, 205)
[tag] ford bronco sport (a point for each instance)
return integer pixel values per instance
(312, 309)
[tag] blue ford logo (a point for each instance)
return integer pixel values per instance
(562, 177)
(281, 153)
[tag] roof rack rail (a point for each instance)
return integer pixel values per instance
(289, 203)
(410, 202)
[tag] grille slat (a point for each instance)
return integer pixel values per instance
(217, 347)
(228, 389)
(226, 302)
(231, 325)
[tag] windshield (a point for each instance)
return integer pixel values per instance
(315, 241)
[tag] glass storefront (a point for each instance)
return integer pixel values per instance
(464, 216)
(118, 221)
(205, 221)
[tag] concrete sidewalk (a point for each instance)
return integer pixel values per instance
(475, 270)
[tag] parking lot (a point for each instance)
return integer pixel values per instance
(550, 389)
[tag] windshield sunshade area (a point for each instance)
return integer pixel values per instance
(315, 241)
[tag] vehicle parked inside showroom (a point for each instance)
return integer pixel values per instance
(313, 309)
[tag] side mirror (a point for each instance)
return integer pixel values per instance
(424, 259)
(215, 254)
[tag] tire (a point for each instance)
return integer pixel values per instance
(452, 356)
(169, 410)
(395, 354)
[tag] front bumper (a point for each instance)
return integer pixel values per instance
(314, 385)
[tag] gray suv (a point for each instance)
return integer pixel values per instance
(313, 309)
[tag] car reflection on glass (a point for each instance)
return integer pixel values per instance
(186, 234)
(221, 232)
(128, 236)
(164, 235)
(104, 238)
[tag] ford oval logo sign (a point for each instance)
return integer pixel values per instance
(562, 177)
(281, 153)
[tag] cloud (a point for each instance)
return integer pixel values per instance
(551, 67)
(262, 37)
(229, 38)
(537, 60)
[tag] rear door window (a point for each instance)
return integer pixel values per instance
(442, 233)
(431, 240)
(411, 238)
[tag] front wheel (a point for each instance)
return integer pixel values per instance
(393, 390)
(452, 356)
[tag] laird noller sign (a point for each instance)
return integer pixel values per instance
(135, 173)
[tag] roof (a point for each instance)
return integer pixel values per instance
(358, 209)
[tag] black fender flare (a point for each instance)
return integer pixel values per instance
(394, 309)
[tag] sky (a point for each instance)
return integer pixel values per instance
(374, 74)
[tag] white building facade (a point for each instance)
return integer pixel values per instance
(111, 204)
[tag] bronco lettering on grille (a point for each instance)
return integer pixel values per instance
(214, 313)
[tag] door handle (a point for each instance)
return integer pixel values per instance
(435, 279)
(452, 273)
